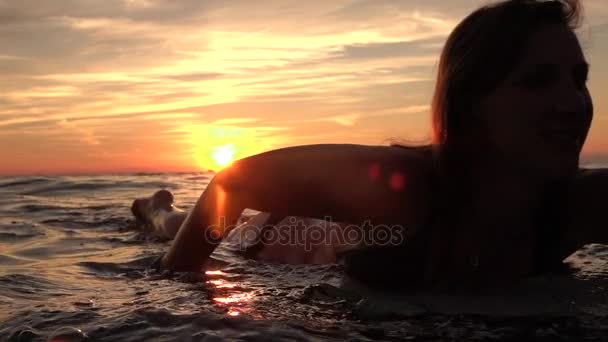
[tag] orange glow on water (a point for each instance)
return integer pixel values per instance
(234, 298)
(235, 303)
(221, 284)
(216, 272)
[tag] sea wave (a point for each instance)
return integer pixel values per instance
(30, 287)
(71, 187)
(118, 222)
(23, 182)
(71, 263)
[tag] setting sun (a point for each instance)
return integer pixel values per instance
(217, 146)
(223, 155)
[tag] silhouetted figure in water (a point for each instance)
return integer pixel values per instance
(497, 196)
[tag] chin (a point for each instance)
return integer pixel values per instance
(559, 168)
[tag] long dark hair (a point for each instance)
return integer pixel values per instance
(477, 57)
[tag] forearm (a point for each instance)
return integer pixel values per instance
(204, 227)
(328, 181)
(347, 183)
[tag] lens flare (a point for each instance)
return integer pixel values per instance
(216, 147)
(223, 155)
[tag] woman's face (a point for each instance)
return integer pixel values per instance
(540, 115)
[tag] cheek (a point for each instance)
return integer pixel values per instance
(512, 123)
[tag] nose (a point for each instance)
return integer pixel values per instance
(572, 101)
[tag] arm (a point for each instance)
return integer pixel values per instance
(348, 183)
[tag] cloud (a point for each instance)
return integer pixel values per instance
(407, 110)
(84, 135)
(234, 121)
(344, 120)
(13, 124)
(52, 91)
(388, 11)
(430, 47)
(119, 73)
(157, 11)
(194, 77)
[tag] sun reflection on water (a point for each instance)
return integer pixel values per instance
(221, 284)
(235, 298)
(216, 272)
(228, 296)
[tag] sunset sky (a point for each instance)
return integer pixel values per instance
(163, 85)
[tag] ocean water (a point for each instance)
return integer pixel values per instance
(73, 268)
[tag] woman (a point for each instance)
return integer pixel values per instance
(497, 196)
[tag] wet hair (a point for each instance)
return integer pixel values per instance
(162, 199)
(478, 55)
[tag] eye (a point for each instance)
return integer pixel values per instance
(539, 77)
